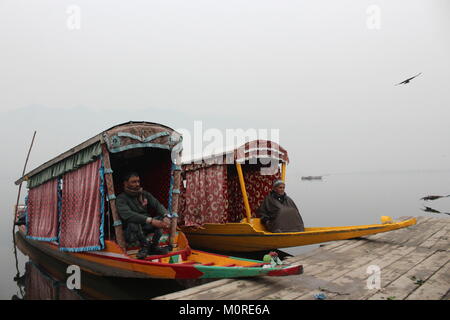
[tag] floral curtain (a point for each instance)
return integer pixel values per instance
(42, 208)
(82, 209)
(206, 196)
(257, 186)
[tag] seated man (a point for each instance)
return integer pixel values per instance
(278, 212)
(132, 205)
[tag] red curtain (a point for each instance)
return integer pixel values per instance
(206, 196)
(213, 194)
(81, 215)
(257, 186)
(42, 206)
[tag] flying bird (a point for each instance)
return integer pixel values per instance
(408, 80)
(428, 198)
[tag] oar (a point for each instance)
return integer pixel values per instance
(17, 204)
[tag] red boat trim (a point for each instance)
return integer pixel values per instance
(287, 271)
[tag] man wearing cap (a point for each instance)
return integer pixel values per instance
(278, 211)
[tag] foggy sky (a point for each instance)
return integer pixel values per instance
(312, 69)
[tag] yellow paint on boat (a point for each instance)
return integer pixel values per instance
(247, 237)
(244, 192)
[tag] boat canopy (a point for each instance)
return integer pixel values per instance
(119, 138)
(230, 185)
(71, 198)
(256, 149)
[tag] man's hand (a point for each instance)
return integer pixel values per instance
(160, 224)
(167, 220)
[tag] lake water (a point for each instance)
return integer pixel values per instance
(336, 200)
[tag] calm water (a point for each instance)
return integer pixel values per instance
(337, 200)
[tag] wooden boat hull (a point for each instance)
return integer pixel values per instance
(249, 237)
(193, 264)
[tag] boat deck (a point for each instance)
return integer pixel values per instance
(410, 263)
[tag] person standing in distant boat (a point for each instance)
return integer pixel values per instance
(278, 211)
(132, 205)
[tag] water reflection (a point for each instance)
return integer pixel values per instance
(429, 209)
(45, 278)
(38, 284)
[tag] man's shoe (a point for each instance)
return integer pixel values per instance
(158, 251)
(142, 254)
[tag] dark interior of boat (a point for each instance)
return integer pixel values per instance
(154, 168)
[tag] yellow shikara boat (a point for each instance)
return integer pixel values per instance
(249, 237)
(212, 206)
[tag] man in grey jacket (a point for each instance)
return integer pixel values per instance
(132, 205)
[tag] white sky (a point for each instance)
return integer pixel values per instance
(312, 69)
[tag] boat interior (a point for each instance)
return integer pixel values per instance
(154, 168)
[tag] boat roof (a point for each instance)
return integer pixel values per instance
(250, 150)
(98, 138)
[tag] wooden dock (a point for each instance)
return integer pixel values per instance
(410, 263)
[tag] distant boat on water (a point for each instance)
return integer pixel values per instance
(312, 178)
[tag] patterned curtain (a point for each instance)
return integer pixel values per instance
(42, 207)
(206, 196)
(257, 186)
(82, 209)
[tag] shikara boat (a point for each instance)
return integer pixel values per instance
(71, 212)
(248, 237)
(221, 193)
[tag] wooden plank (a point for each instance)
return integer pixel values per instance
(355, 282)
(333, 245)
(321, 251)
(334, 267)
(435, 287)
(395, 270)
(184, 294)
(443, 243)
(326, 270)
(447, 296)
(299, 285)
(254, 288)
(439, 235)
(382, 258)
(356, 267)
(424, 233)
(233, 287)
(407, 283)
